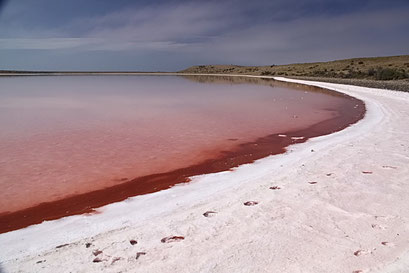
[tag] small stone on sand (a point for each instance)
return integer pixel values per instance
(133, 242)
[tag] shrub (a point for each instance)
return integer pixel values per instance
(385, 74)
(371, 72)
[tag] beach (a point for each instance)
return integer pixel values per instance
(336, 203)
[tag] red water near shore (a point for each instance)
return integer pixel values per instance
(212, 154)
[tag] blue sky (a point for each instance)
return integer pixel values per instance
(171, 35)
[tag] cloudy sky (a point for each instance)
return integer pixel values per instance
(149, 35)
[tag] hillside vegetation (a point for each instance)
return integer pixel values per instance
(377, 68)
(378, 72)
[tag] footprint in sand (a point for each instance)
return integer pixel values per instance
(139, 254)
(209, 213)
(376, 226)
(172, 239)
(115, 259)
(388, 244)
(60, 246)
(362, 252)
(389, 167)
(96, 252)
(385, 218)
(96, 260)
(250, 203)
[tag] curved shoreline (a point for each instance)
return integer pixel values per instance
(243, 154)
(316, 228)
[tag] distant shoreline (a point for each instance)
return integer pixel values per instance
(64, 73)
(376, 72)
(398, 85)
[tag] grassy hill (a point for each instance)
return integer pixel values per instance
(379, 72)
(377, 68)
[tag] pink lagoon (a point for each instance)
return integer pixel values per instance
(69, 144)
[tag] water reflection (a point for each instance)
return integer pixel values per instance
(259, 81)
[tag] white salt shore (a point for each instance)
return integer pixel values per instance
(355, 218)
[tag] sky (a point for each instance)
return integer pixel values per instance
(159, 35)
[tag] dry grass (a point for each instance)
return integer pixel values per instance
(381, 72)
(362, 68)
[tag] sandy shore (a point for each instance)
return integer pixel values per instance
(338, 203)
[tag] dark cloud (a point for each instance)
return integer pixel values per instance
(2, 2)
(170, 35)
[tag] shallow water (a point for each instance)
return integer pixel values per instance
(66, 135)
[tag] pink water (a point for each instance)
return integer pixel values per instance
(62, 136)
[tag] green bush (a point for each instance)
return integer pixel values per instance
(385, 74)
